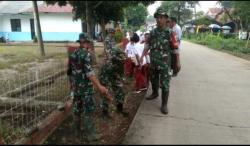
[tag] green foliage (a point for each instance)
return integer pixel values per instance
(219, 42)
(136, 15)
(179, 9)
(243, 12)
(200, 14)
(118, 36)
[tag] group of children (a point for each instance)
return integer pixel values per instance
(133, 67)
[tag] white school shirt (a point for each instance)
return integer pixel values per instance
(178, 31)
(130, 50)
(138, 50)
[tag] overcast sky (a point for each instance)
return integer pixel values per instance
(204, 5)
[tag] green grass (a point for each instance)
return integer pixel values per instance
(230, 44)
(11, 55)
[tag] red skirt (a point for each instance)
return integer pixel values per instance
(129, 67)
(141, 80)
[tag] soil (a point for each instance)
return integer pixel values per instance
(110, 131)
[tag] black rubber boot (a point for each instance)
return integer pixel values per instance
(164, 108)
(154, 95)
(77, 128)
(120, 110)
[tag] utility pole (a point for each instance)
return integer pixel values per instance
(38, 29)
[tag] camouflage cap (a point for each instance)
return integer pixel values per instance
(117, 54)
(83, 36)
(160, 11)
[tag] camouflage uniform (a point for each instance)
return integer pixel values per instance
(160, 57)
(83, 102)
(111, 75)
(161, 46)
(109, 42)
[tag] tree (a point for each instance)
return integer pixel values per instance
(199, 14)
(178, 9)
(243, 13)
(226, 6)
(193, 4)
(136, 16)
(98, 11)
(38, 28)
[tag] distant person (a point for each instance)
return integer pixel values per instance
(109, 41)
(146, 67)
(140, 78)
(177, 29)
(162, 41)
(83, 81)
(125, 41)
(111, 74)
(130, 57)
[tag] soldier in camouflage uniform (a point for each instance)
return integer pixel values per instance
(83, 81)
(109, 41)
(111, 74)
(162, 41)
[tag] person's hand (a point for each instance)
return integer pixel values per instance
(141, 60)
(103, 90)
(109, 97)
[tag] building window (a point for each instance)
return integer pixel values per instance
(15, 25)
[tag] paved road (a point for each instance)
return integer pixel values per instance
(209, 103)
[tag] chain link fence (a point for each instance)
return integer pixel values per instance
(26, 99)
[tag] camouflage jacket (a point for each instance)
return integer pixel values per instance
(112, 70)
(79, 69)
(109, 43)
(161, 44)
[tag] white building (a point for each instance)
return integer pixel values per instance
(17, 21)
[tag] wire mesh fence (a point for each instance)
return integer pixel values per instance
(27, 98)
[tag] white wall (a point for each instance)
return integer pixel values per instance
(50, 22)
(59, 22)
(25, 22)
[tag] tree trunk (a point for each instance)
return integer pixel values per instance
(103, 29)
(38, 28)
(87, 19)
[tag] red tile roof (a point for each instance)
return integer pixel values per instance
(52, 9)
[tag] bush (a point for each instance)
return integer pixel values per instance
(118, 36)
(219, 41)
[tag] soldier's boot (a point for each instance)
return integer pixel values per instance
(106, 115)
(164, 108)
(154, 95)
(77, 126)
(121, 110)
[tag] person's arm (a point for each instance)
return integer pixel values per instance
(91, 76)
(144, 53)
(175, 46)
(100, 87)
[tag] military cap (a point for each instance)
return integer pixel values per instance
(160, 11)
(83, 36)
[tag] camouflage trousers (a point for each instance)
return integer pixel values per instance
(84, 106)
(118, 93)
(160, 76)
